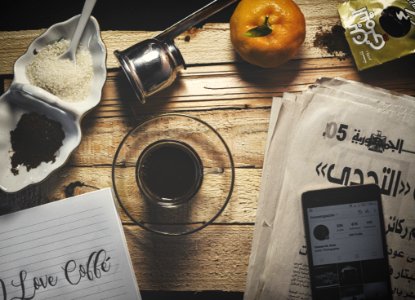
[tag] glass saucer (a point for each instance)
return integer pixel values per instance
(152, 184)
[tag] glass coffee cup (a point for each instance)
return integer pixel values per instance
(169, 172)
(173, 174)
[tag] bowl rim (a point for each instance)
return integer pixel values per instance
(58, 164)
(98, 81)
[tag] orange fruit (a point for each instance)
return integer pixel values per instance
(267, 33)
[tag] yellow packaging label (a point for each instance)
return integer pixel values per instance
(378, 31)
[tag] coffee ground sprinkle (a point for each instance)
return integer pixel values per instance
(333, 41)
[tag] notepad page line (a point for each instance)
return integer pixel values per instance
(82, 242)
(112, 297)
(49, 235)
(82, 289)
(56, 241)
(112, 289)
(48, 228)
(54, 219)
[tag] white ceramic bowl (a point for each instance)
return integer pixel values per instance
(22, 97)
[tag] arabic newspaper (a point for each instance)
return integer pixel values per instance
(273, 166)
(347, 133)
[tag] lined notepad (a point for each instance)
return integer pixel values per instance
(69, 249)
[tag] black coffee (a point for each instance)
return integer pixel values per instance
(169, 171)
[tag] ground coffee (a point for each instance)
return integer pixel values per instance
(333, 41)
(36, 139)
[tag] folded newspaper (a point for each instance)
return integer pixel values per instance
(338, 132)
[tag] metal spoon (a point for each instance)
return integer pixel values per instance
(70, 53)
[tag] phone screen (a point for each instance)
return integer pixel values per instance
(346, 244)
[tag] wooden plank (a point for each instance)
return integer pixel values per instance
(243, 86)
(243, 130)
(71, 181)
(215, 258)
(208, 45)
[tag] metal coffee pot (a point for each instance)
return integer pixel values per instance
(152, 65)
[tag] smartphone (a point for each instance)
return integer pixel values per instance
(346, 245)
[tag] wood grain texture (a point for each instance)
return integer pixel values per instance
(215, 258)
(244, 131)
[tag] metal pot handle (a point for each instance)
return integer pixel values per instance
(193, 19)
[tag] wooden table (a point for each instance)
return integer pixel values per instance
(229, 94)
